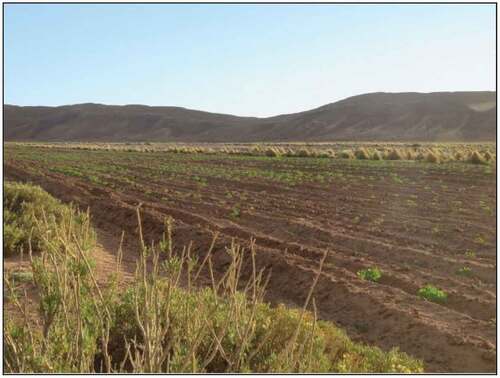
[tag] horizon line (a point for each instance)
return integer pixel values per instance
(242, 116)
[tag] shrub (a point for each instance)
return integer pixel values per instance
(322, 154)
(476, 158)
(444, 156)
(409, 155)
(393, 154)
(23, 205)
(346, 154)
(370, 274)
(331, 153)
(431, 157)
(420, 156)
(61, 273)
(376, 155)
(303, 152)
(362, 154)
(271, 152)
(433, 294)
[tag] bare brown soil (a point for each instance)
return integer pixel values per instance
(359, 225)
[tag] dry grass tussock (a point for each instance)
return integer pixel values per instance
(476, 157)
(432, 157)
(161, 325)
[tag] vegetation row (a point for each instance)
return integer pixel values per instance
(431, 153)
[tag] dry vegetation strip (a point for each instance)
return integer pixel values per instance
(423, 226)
(474, 153)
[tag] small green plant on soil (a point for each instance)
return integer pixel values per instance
(370, 274)
(485, 207)
(469, 253)
(411, 203)
(396, 178)
(21, 276)
(479, 240)
(465, 271)
(433, 294)
(235, 212)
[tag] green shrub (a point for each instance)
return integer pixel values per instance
(433, 294)
(63, 286)
(24, 206)
(370, 274)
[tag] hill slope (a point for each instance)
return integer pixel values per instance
(440, 116)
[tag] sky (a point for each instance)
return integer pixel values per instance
(249, 60)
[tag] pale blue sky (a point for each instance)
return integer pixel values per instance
(255, 60)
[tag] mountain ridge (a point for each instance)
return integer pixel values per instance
(407, 116)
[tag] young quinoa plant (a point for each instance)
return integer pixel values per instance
(465, 271)
(433, 294)
(370, 274)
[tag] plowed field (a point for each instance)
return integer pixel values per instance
(419, 223)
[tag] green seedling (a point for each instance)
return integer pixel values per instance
(370, 274)
(470, 253)
(464, 271)
(21, 276)
(235, 212)
(433, 294)
(480, 240)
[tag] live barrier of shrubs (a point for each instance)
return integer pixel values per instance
(429, 153)
(157, 324)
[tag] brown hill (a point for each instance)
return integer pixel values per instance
(440, 116)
